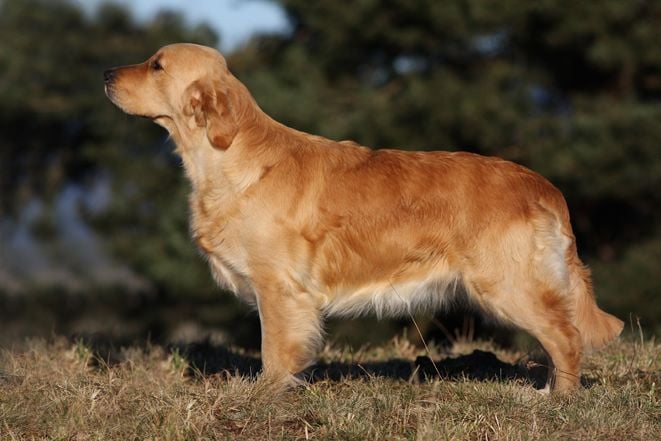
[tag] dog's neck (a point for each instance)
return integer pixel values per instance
(260, 142)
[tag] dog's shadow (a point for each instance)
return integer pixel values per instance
(207, 359)
(478, 366)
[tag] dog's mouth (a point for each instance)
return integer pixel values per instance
(110, 92)
(113, 97)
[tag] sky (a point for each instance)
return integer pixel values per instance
(234, 20)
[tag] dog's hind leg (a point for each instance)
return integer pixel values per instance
(550, 321)
(524, 280)
(545, 315)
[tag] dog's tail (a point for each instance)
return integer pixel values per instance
(597, 328)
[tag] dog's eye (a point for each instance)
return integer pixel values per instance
(156, 65)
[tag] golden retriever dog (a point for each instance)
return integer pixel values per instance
(304, 227)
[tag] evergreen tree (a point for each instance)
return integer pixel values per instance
(571, 90)
(59, 129)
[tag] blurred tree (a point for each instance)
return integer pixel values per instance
(572, 90)
(58, 128)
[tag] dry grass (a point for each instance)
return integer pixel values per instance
(62, 390)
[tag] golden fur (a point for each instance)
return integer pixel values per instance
(305, 227)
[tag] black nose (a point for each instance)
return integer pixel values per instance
(109, 75)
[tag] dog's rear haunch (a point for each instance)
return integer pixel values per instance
(305, 227)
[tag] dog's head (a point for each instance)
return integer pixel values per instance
(186, 88)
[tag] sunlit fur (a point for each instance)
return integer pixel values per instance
(305, 227)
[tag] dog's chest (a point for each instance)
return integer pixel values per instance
(215, 229)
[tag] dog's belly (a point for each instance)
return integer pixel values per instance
(385, 279)
(387, 299)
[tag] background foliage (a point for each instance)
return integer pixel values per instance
(570, 89)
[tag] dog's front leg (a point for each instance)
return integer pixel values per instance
(291, 331)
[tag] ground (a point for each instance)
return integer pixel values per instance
(63, 389)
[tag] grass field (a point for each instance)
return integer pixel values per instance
(65, 390)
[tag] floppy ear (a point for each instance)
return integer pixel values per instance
(209, 106)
